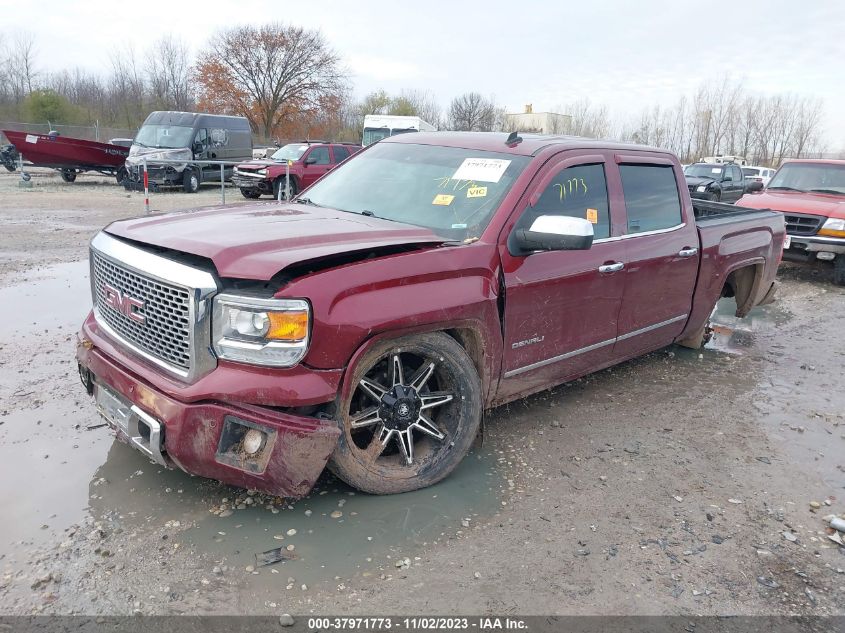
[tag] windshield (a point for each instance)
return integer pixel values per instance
(452, 191)
(817, 177)
(164, 136)
(704, 171)
(749, 172)
(373, 134)
(292, 151)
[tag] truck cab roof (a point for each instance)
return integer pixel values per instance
(530, 144)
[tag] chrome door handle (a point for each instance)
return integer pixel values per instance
(611, 268)
(688, 252)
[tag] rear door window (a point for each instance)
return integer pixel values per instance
(340, 153)
(651, 197)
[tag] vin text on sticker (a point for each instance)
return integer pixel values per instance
(483, 169)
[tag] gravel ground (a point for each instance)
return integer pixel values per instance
(678, 483)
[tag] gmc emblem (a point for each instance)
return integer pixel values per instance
(127, 306)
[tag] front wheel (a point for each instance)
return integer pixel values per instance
(68, 175)
(410, 417)
(279, 185)
(716, 196)
(839, 270)
(121, 175)
(190, 180)
(252, 194)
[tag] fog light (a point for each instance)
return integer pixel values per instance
(252, 442)
(825, 255)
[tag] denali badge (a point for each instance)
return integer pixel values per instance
(127, 306)
(529, 341)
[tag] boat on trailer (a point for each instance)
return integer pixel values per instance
(70, 156)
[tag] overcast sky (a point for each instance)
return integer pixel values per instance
(625, 54)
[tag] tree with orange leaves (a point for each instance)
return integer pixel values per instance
(275, 75)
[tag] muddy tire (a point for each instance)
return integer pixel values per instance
(411, 416)
(190, 180)
(279, 183)
(68, 175)
(716, 196)
(252, 194)
(839, 270)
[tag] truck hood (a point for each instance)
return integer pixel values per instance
(256, 164)
(258, 241)
(138, 154)
(695, 182)
(829, 206)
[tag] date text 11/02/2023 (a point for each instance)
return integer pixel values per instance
(413, 623)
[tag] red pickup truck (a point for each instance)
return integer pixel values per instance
(811, 195)
(369, 322)
(303, 163)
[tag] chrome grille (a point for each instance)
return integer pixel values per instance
(799, 224)
(166, 330)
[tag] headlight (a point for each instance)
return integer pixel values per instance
(261, 172)
(701, 188)
(272, 332)
(833, 227)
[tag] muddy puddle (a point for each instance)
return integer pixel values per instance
(334, 532)
(802, 411)
(51, 298)
(734, 335)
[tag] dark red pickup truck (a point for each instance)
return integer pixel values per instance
(295, 166)
(369, 322)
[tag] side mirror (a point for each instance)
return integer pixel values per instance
(311, 160)
(552, 233)
(754, 186)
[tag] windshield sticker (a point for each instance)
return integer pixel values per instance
(477, 192)
(716, 170)
(593, 215)
(443, 199)
(483, 169)
(459, 226)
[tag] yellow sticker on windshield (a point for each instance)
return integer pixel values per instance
(443, 199)
(593, 215)
(476, 192)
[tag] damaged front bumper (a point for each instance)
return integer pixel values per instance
(207, 437)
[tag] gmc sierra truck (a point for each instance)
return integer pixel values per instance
(369, 322)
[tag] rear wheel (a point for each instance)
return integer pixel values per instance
(252, 194)
(279, 183)
(190, 180)
(411, 416)
(839, 270)
(68, 175)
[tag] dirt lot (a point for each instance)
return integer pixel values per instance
(679, 483)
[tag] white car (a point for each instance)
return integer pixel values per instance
(758, 174)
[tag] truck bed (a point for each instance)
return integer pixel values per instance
(705, 210)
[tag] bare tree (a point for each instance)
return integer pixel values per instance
(168, 73)
(472, 112)
(126, 87)
(21, 65)
(271, 74)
